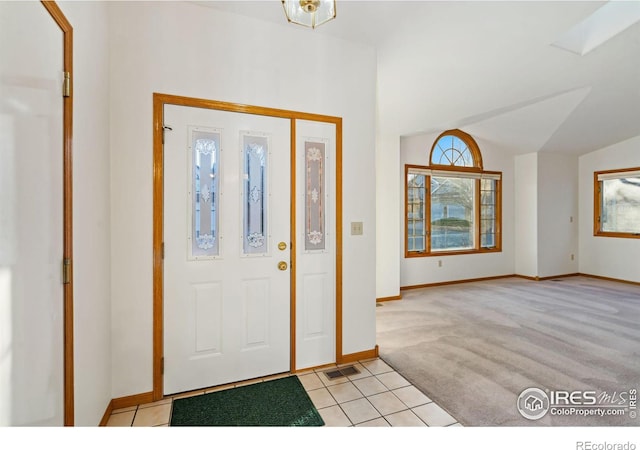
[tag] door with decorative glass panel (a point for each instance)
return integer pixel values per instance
(226, 247)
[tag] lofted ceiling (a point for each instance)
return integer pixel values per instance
(525, 76)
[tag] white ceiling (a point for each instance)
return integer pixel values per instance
(492, 68)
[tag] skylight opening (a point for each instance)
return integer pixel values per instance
(606, 22)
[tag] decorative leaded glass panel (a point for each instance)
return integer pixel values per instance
(205, 155)
(255, 153)
(314, 238)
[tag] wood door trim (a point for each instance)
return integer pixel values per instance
(292, 249)
(67, 134)
(159, 100)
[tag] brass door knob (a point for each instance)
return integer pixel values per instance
(282, 265)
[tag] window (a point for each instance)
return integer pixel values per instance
(452, 205)
(415, 211)
(617, 203)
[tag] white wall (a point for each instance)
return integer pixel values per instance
(526, 215)
(388, 215)
(389, 123)
(190, 50)
(91, 234)
(605, 256)
(418, 271)
(546, 214)
(557, 214)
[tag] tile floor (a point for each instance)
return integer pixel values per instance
(378, 396)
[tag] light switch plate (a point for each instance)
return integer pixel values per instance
(356, 228)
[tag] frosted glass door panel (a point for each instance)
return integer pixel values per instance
(315, 195)
(255, 154)
(205, 192)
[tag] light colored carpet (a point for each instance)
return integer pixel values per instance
(474, 347)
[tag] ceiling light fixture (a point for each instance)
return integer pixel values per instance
(309, 13)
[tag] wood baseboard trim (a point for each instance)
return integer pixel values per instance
(346, 359)
(132, 400)
(553, 277)
(314, 368)
(107, 414)
(527, 277)
(125, 402)
(497, 277)
(389, 299)
(354, 357)
(446, 283)
(558, 276)
(635, 283)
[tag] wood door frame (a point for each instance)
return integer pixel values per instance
(159, 101)
(67, 133)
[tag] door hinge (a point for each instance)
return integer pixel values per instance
(162, 365)
(66, 85)
(162, 250)
(66, 271)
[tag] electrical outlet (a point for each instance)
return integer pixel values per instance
(439, 263)
(356, 228)
(572, 257)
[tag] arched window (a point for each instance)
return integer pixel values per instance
(455, 148)
(452, 205)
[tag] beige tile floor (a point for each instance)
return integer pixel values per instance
(378, 396)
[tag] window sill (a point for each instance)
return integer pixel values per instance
(612, 234)
(452, 252)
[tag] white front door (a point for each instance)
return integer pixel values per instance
(226, 247)
(31, 217)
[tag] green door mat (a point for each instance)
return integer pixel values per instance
(282, 402)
